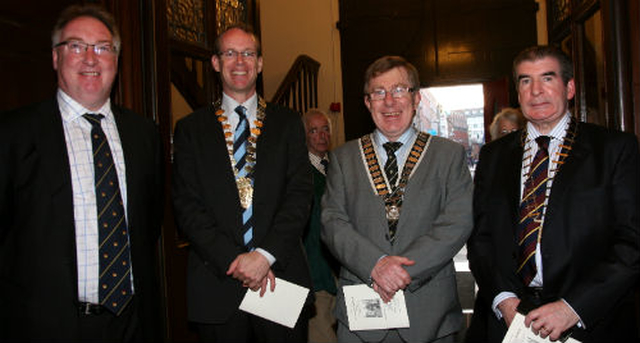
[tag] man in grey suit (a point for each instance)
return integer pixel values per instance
(397, 208)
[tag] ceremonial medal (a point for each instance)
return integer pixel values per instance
(245, 191)
(393, 212)
(243, 183)
(393, 197)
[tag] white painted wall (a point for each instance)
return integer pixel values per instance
(293, 27)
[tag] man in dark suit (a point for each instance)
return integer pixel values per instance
(58, 276)
(241, 191)
(570, 258)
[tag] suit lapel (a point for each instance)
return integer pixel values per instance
(216, 163)
(261, 171)
(562, 179)
(262, 150)
(52, 145)
(513, 170)
(127, 141)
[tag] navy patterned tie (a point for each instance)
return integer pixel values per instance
(115, 260)
(531, 210)
(391, 166)
(240, 141)
(325, 165)
(391, 170)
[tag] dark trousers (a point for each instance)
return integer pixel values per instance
(106, 327)
(245, 327)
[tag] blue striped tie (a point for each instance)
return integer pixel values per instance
(115, 258)
(239, 154)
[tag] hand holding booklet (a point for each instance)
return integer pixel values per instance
(282, 306)
(519, 333)
(367, 311)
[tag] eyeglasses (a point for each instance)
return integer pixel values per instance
(79, 47)
(232, 54)
(396, 92)
(506, 131)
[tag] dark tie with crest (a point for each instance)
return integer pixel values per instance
(115, 259)
(325, 165)
(391, 166)
(531, 211)
(240, 140)
(391, 170)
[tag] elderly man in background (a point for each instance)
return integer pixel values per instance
(322, 264)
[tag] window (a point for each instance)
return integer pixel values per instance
(456, 113)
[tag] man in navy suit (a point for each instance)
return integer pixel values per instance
(578, 274)
(50, 254)
(242, 193)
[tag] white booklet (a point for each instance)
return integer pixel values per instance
(367, 311)
(519, 333)
(282, 306)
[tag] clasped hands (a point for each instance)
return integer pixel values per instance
(253, 270)
(549, 320)
(389, 276)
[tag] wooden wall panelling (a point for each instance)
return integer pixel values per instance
(620, 101)
(634, 41)
(617, 91)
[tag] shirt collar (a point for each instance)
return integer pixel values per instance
(405, 138)
(316, 161)
(557, 133)
(229, 104)
(71, 110)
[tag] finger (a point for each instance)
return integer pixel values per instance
(407, 262)
(531, 318)
(380, 291)
(272, 278)
(543, 332)
(263, 287)
(385, 296)
(232, 267)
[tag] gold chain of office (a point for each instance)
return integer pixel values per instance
(243, 184)
(392, 200)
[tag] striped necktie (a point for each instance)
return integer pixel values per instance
(240, 140)
(391, 166)
(391, 170)
(115, 257)
(531, 211)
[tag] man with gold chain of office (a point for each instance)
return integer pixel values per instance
(242, 192)
(397, 208)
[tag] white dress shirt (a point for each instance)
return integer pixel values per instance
(77, 133)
